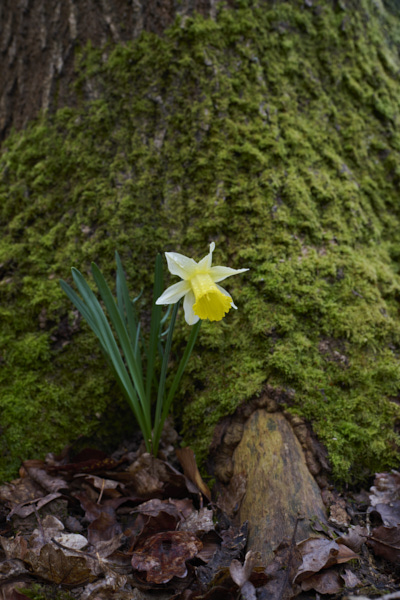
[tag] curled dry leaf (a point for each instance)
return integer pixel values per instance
(385, 542)
(12, 569)
(354, 538)
(111, 586)
(108, 487)
(20, 491)
(55, 565)
(198, 521)
(102, 518)
(188, 461)
(386, 488)
(385, 503)
(164, 555)
(320, 553)
(155, 506)
(148, 475)
(241, 573)
(389, 514)
(233, 543)
(25, 509)
(327, 582)
(350, 579)
(385, 498)
(36, 472)
(14, 548)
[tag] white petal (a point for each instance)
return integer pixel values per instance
(188, 302)
(174, 293)
(220, 273)
(205, 263)
(221, 289)
(180, 265)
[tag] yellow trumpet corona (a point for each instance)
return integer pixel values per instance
(203, 298)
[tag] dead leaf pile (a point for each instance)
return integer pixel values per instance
(133, 523)
(129, 527)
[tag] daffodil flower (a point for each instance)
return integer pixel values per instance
(203, 298)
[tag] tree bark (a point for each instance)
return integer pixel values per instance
(38, 40)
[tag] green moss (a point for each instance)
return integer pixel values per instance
(45, 592)
(272, 130)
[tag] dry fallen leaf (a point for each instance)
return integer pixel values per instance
(155, 506)
(389, 514)
(385, 542)
(320, 553)
(102, 518)
(188, 461)
(233, 543)
(350, 579)
(164, 555)
(385, 508)
(386, 488)
(327, 582)
(55, 565)
(37, 473)
(241, 573)
(14, 548)
(354, 538)
(198, 521)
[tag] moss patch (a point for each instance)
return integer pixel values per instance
(273, 131)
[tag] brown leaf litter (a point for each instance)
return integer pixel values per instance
(123, 528)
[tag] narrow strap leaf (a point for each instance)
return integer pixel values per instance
(80, 305)
(161, 383)
(123, 337)
(124, 303)
(97, 320)
(154, 326)
(182, 366)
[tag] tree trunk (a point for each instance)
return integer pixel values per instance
(39, 40)
(272, 130)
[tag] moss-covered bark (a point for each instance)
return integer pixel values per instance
(274, 131)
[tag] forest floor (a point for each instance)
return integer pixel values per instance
(129, 526)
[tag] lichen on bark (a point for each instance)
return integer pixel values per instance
(272, 130)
